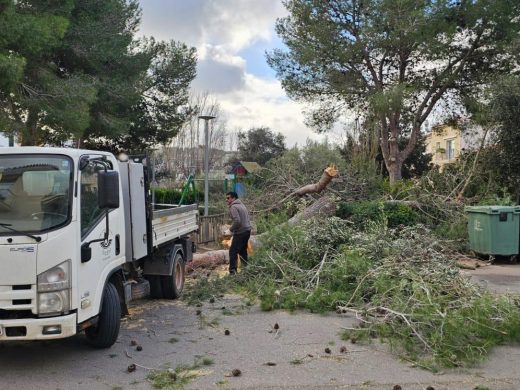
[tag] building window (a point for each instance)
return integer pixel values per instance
(450, 149)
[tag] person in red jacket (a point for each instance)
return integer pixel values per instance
(240, 229)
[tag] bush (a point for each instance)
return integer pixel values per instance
(398, 190)
(173, 196)
(400, 214)
(361, 213)
(267, 221)
(456, 232)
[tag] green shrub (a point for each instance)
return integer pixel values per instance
(360, 213)
(400, 214)
(456, 232)
(267, 221)
(398, 190)
(173, 196)
(498, 199)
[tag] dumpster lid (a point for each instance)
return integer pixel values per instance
(492, 209)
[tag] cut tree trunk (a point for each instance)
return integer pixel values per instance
(326, 177)
(322, 208)
(209, 260)
(328, 174)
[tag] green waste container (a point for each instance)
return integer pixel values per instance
(494, 230)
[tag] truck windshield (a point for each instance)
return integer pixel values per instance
(35, 192)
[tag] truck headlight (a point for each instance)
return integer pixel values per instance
(53, 302)
(54, 289)
(56, 278)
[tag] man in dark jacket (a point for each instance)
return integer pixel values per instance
(240, 229)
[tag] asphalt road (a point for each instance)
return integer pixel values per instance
(500, 278)
(293, 356)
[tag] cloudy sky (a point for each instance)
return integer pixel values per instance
(231, 38)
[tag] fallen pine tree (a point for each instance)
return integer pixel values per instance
(402, 284)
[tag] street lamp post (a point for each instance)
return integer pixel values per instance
(206, 119)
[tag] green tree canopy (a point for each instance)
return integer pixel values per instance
(162, 106)
(391, 60)
(30, 32)
(72, 69)
(260, 144)
(499, 112)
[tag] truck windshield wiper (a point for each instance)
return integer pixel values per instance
(8, 227)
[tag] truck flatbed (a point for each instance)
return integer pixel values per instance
(170, 222)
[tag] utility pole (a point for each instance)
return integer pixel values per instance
(206, 119)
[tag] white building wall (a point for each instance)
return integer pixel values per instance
(472, 138)
(4, 141)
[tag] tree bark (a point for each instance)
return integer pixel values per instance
(209, 260)
(326, 177)
(395, 171)
(30, 135)
(322, 208)
(392, 156)
(460, 196)
(328, 174)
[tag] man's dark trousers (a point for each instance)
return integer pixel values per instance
(238, 248)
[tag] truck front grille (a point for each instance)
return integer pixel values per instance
(15, 314)
(22, 287)
(17, 298)
(16, 331)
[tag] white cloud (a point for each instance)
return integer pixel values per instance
(231, 24)
(219, 76)
(220, 29)
(264, 103)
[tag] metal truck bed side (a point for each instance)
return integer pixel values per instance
(174, 222)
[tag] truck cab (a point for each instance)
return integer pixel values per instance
(63, 230)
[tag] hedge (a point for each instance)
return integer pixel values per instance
(362, 212)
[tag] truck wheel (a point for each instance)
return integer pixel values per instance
(155, 286)
(104, 334)
(173, 284)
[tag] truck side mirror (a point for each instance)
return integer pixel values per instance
(86, 252)
(108, 190)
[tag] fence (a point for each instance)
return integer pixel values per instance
(209, 228)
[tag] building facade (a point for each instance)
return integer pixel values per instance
(444, 143)
(6, 141)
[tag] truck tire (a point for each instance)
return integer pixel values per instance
(156, 290)
(173, 284)
(104, 333)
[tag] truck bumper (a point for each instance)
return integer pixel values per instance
(38, 328)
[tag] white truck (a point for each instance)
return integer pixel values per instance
(78, 238)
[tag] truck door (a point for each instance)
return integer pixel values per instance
(105, 255)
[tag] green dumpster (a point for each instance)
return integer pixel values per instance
(494, 230)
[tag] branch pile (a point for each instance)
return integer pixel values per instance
(401, 283)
